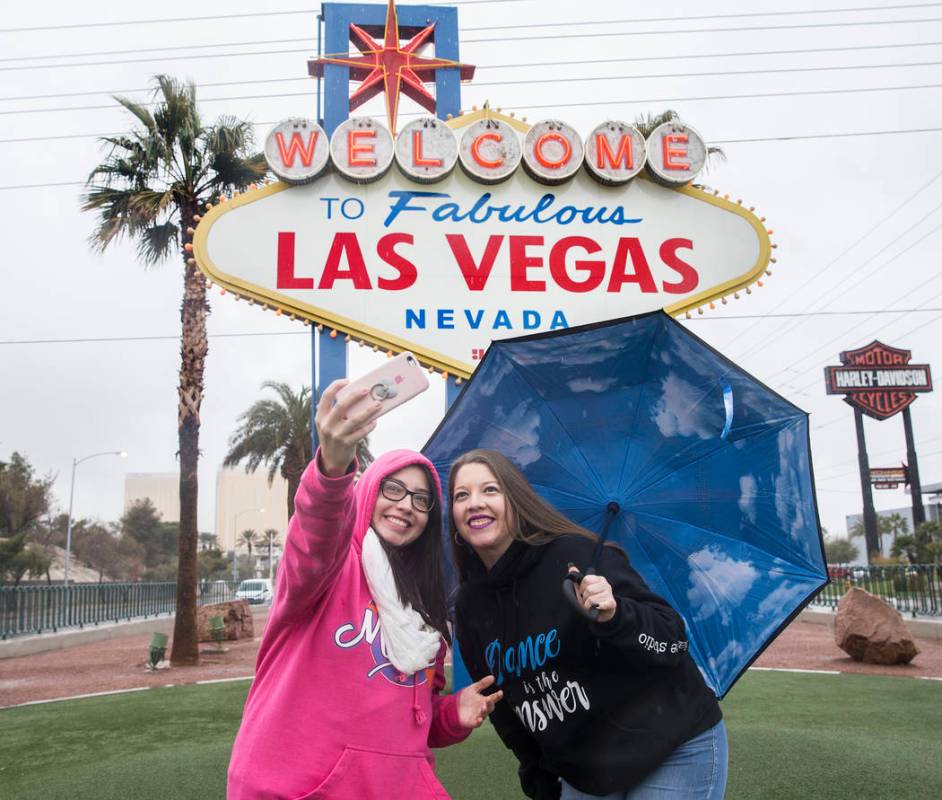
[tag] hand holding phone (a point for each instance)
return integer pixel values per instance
(392, 384)
(347, 411)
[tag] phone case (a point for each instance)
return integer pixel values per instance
(398, 380)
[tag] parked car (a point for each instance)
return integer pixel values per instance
(220, 590)
(837, 571)
(255, 590)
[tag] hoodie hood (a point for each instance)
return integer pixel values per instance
(367, 487)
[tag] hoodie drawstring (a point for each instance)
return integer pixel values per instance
(417, 711)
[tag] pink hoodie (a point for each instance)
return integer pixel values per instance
(328, 717)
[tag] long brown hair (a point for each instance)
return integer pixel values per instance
(529, 518)
(417, 568)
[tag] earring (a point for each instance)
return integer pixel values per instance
(458, 540)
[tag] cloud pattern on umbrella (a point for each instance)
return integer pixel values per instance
(711, 469)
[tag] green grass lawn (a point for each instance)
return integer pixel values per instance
(803, 736)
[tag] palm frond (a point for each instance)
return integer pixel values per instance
(648, 122)
(139, 111)
(229, 135)
(155, 242)
(118, 215)
(232, 172)
(166, 162)
(273, 431)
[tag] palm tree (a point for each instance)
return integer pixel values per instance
(277, 432)
(250, 540)
(150, 187)
(270, 538)
(647, 123)
(894, 524)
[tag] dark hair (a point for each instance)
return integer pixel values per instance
(529, 517)
(417, 568)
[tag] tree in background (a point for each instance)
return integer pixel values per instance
(153, 182)
(249, 539)
(213, 564)
(141, 522)
(95, 545)
(923, 546)
(840, 551)
(277, 432)
(894, 524)
(19, 558)
(24, 501)
(24, 498)
(270, 542)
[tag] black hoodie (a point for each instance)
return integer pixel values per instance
(599, 704)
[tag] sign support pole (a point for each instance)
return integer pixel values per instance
(871, 536)
(915, 487)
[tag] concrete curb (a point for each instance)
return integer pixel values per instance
(44, 642)
(920, 628)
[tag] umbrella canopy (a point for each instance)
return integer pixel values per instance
(711, 470)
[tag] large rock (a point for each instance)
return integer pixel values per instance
(867, 629)
(236, 615)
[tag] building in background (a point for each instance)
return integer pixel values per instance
(931, 498)
(162, 488)
(239, 495)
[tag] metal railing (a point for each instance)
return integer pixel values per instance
(38, 609)
(914, 589)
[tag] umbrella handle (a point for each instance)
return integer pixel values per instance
(570, 582)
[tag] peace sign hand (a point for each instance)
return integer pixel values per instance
(474, 706)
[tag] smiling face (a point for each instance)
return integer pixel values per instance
(397, 521)
(480, 512)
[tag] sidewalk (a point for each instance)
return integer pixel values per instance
(118, 664)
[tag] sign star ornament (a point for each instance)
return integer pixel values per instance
(391, 67)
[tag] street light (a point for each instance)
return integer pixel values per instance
(235, 526)
(68, 532)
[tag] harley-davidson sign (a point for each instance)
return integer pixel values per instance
(878, 379)
(456, 233)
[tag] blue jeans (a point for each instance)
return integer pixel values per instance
(694, 771)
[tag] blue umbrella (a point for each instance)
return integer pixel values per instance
(699, 471)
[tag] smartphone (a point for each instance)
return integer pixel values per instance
(392, 384)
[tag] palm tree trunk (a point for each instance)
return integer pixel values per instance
(292, 469)
(193, 349)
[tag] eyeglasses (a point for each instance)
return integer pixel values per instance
(394, 490)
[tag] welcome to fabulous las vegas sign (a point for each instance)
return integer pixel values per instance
(449, 234)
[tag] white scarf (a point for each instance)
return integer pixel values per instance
(408, 641)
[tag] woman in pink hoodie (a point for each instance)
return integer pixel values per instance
(346, 700)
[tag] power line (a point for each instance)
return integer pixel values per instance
(900, 337)
(669, 32)
(209, 17)
(528, 81)
(176, 337)
(793, 138)
(896, 300)
(845, 251)
(169, 337)
(793, 51)
(528, 26)
(487, 40)
(584, 62)
(822, 300)
(607, 102)
(803, 314)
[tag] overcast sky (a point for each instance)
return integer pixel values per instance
(89, 343)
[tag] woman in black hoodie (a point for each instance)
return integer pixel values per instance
(614, 708)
